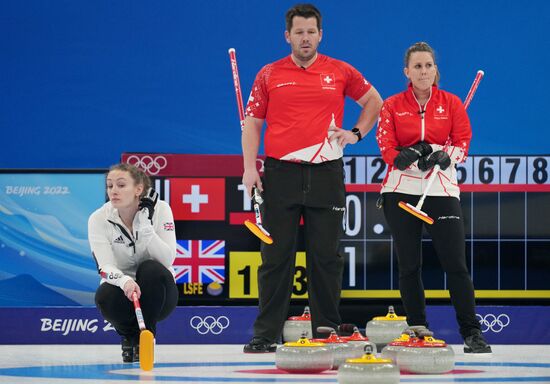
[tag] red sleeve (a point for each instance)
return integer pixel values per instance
(385, 135)
(259, 97)
(356, 84)
(461, 131)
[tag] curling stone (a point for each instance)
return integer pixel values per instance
(295, 326)
(358, 341)
(368, 369)
(390, 350)
(341, 350)
(383, 329)
(426, 355)
(303, 356)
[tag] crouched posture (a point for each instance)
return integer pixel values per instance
(134, 244)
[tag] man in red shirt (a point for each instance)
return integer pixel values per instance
(301, 99)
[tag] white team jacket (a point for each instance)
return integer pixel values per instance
(118, 252)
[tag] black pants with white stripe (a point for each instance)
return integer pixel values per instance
(159, 297)
(314, 192)
(447, 234)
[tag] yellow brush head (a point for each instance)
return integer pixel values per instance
(258, 232)
(415, 212)
(146, 350)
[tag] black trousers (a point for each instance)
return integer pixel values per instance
(447, 234)
(316, 193)
(159, 297)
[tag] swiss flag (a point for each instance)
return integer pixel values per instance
(328, 79)
(198, 199)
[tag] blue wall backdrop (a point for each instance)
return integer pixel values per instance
(83, 81)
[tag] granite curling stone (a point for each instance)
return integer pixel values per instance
(426, 355)
(295, 326)
(303, 356)
(340, 348)
(368, 369)
(383, 329)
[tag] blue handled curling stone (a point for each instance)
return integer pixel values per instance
(426, 355)
(383, 329)
(295, 326)
(303, 356)
(368, 369)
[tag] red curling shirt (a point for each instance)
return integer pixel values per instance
(299, 105)
(442, 122)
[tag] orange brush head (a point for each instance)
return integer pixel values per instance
(259, 232)
(416, 212)
(146, 350)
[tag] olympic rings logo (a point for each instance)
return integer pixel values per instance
(493, 323)
(149, 164)
(209, 324)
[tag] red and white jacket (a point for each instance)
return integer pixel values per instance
(300, 105)
(443, 123)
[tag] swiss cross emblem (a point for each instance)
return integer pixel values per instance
(440, 112)
(327, 79)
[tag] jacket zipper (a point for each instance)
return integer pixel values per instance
(125, 233)
(422, 112)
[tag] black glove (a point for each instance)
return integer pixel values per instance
(438, 157)
(149, 200)
(409, 155)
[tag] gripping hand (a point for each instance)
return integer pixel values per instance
(438, 157)
(409, 155)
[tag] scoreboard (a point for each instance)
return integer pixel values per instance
(506, 208)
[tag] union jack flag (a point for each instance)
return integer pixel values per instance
(200, 261)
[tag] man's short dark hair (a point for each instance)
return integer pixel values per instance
(303, 10)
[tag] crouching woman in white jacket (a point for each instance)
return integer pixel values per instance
(133, 242)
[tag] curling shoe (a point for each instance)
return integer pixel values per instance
(127, 350)
(260, 345)
(475, 345)
(135, 350)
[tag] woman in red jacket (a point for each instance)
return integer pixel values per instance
(419, 128)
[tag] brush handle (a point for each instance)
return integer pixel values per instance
(139, 313)
(435, 171)
(237, 84)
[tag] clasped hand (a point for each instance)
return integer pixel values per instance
(409, 155)
(438, 157)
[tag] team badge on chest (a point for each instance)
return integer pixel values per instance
(441, 112)
(328, 80)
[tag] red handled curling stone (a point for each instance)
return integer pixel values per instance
(390, 350)
(303, 356)
(426, 355)
(358, 341)
(341, 349)
(295, 326)
(368, 369)
(383, 329)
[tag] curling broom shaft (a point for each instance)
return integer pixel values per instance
(473, 88)
(139, 313)
(237, 84)
(428, 186)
